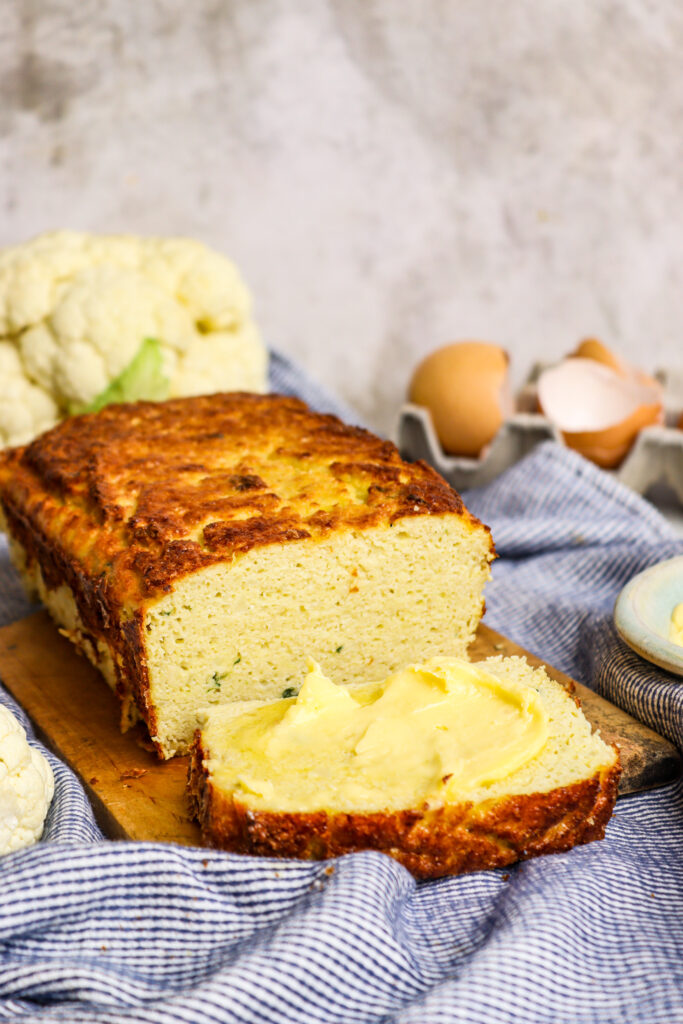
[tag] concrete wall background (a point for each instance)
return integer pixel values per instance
(388, 176)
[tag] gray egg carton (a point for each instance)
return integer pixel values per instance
(655, 459)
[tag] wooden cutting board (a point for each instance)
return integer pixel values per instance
(136, 796)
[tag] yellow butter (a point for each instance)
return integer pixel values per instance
(429, 733)
(676, 625)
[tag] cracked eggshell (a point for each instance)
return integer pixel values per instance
(465, 386)
(592, 348)
(598, 411)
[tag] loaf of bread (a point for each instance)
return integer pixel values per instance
(448, 766)
(192, 549)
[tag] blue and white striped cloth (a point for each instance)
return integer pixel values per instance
(92, 930)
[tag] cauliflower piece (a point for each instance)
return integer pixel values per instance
(39, 351)
(26, 786)
(222, 361)
(99, 324)
(206, 283)
(77, 308)
(32, 275)
(25, 408)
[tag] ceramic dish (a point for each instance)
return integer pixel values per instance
(642, 613)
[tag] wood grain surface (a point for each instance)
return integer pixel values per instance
(136, 796)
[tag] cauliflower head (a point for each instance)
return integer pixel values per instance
(26, 786)
(75, 310)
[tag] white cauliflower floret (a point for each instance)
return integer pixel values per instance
(99, 323)
(222, 361)
(10, 363)
(80, 372)
(76, 310)
(25, 408)
(26, 786)
(32, 275)
(209, 285)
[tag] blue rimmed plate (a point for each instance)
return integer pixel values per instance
(642, 613)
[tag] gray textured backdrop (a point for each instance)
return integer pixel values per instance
(388, 175)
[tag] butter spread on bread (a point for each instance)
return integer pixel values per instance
(447, 766)
(193, 548)
(428, 732)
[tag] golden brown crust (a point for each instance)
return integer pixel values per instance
(450, 840)
(149, 492)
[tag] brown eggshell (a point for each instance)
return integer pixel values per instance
(465, 387)
(598, 412)
(608, 448)
(592, 348)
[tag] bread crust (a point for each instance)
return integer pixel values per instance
(136, 482)
(126, 501)
(449, 840)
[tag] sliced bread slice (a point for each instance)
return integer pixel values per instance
(449, 766)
